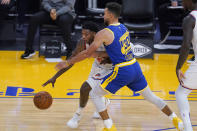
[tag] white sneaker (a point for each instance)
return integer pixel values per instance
(74, 121)
(96, 115)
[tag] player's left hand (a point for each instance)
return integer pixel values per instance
(61, 65)
(180, 76)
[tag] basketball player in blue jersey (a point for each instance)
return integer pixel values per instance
(126, 72)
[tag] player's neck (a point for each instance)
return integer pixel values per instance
(114, 22)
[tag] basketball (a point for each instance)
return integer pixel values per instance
(42, 100)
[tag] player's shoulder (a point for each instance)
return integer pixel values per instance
(104, 33)
(189, 20)
(104, 36)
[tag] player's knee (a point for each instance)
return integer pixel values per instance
(93, 95)
(85, 88)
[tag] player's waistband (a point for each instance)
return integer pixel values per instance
(126, 63)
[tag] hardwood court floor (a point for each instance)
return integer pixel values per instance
(21, 79)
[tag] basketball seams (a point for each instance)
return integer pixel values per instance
(42, 100)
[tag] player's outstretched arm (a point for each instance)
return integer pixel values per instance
(98, 40)
(100, 54)
(188, 26)
(78, 49)
(58, 74)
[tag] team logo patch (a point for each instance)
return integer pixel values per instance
(98, 74)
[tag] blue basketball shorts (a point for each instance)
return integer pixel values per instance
(125, 74)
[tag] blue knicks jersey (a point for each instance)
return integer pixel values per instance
(120, 49)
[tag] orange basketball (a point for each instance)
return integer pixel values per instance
(43, 100)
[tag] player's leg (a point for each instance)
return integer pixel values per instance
(152, 98)
(97, 98)
(94, 82)
(84, 95)
(182, 93)
(184, 108)
(96, 114)
(85, 89)
(112, 83)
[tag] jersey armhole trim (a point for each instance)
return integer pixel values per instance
(194, 18)
(111, 32)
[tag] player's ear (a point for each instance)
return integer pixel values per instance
(111, 14)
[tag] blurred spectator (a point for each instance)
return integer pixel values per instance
(167, 15)
(22, 6)
(25, 7)
(60, 12)
(102, 3)
(5, 6)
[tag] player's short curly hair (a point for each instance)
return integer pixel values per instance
(90, 26)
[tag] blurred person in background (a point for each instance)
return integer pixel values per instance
(167, 15)
(5, 6)
(60, 12)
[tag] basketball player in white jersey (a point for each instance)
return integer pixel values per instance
(101, 67)
(188, 81)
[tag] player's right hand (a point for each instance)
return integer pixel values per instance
(52, 81)
(180, 76)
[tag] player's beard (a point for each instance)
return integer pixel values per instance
(106, 22)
